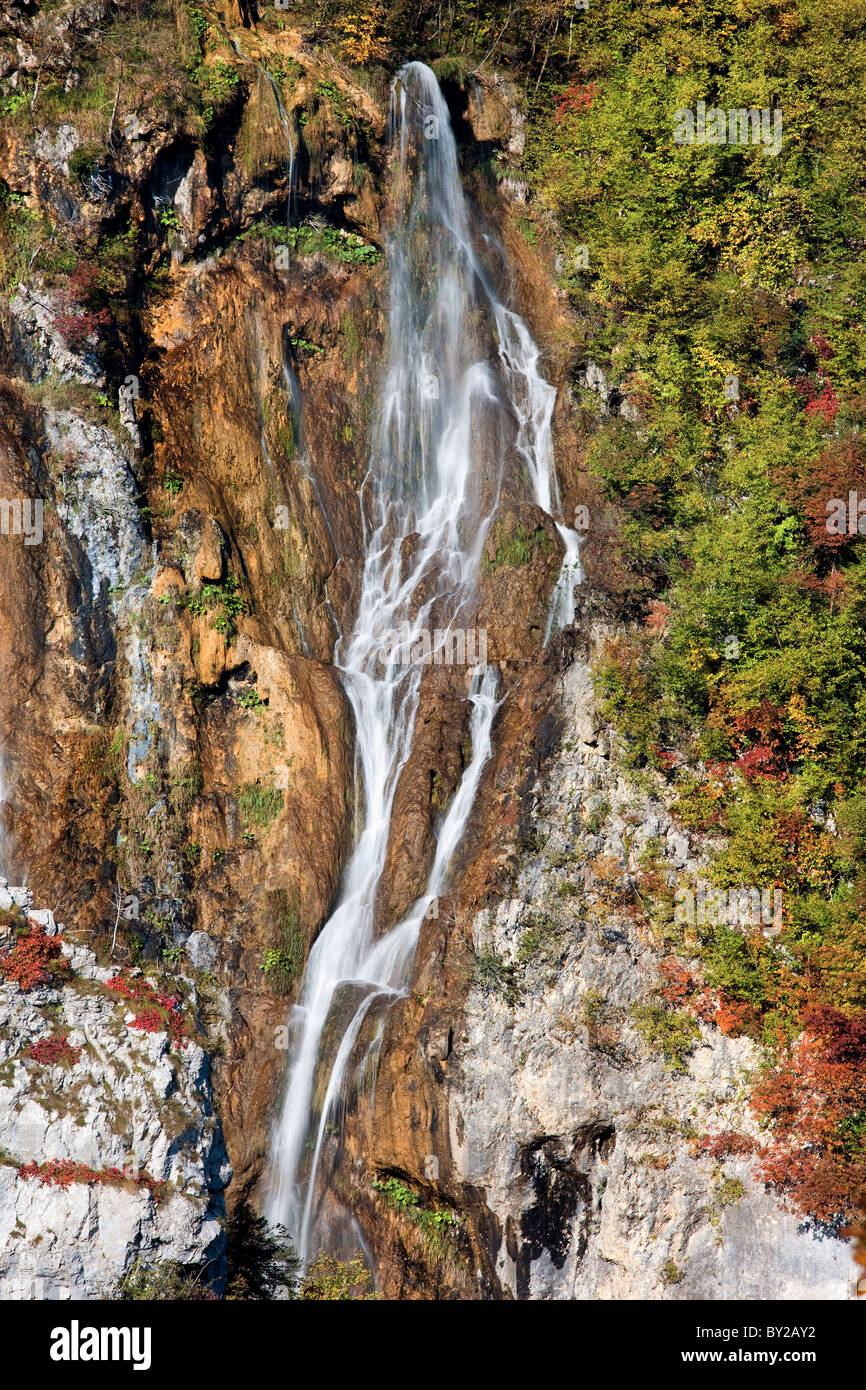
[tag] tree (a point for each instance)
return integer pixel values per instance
(262, 1262)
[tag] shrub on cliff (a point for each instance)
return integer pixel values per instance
(34, 960)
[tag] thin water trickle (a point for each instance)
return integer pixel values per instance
(462, 399)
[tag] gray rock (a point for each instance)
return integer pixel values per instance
(564, 1122)
(42, 347)
(14, 897)
(132, 1100)
(202, 950)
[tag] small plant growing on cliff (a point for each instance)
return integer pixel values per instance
(730, 1192)
(284, 962)
(225, 598)
(31, 961)
(491, 971)
(259, 805)
(439, 1228)
(672, 1274)
(167, 1282)
(64, 1172)
(83, 316)
(593, 1007)
(153, 1012)
(57, 1051)
(514, 548)
(597, 817)
(330, 1280)
(666, 1031)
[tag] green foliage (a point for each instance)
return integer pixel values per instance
(165, 1282)
(83, 161)
(259, 805)
(262, 1264)
(284, 961)
(672, 1274)
(730, 1192)
(542, 940)
(23, 234)
(666, 1031)
(330, 92)
(514, 546)
(598, 816)
(740, 675)
(304, 345)
(492, 972)
(330, 1280)
(198, 22)
(439, 1228)
(346, 247)
(225, 598)
(216, 82)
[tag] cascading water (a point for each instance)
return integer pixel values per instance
(285, 122)
(462, 400)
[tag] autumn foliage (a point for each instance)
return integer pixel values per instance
(51, 1051)
(29, 961)
(63, 1172)
(812, 1105)
(154, 1012)
(80, 318)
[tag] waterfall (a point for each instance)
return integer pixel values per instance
(462, 400)
(290, 140)
(285, 122)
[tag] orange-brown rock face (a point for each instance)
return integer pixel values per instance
(178, 751)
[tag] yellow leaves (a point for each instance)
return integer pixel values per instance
(361, 41)
(810, 735)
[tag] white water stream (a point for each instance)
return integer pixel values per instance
(462, 399)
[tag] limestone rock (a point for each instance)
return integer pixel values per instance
(131, 1101)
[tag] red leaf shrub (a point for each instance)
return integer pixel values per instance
(843, 1035)
(29, 961)
(77, 328)
(736, 1018)
(814, 1100)
(154, 1012)
(80, 318)
(50, 1051)
(726, 1144)
(63, 1172)
(825, 404)
(575, 98)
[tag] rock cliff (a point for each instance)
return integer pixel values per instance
(178, 750)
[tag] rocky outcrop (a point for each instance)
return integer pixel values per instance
(518, 1095)
(112, 1152)
(578, 1140)
(179, 754)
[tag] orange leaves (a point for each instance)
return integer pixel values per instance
(29, 960)
(814, 1100)
(575, 98)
